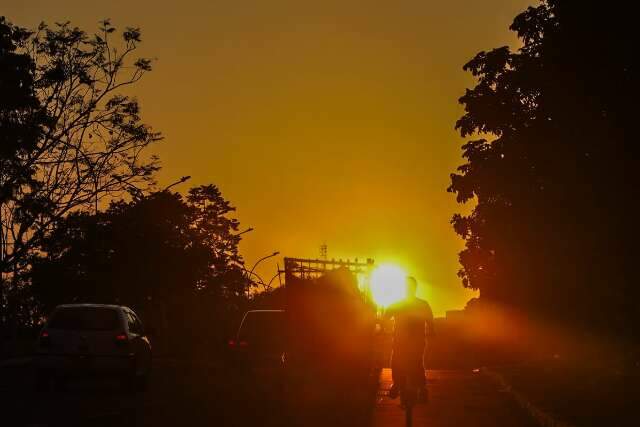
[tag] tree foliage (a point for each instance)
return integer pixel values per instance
(174, 259)
(73, 137)
(161, 247)
(21, 116)
(551, 167)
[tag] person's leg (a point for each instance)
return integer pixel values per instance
(420, 376)
(415, 368)
(423, 373)
(397, 373)
(395, 366)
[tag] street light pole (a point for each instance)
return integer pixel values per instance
(262, 259)
(273, 278)
(250, 272)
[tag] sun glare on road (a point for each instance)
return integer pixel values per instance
(388, 284)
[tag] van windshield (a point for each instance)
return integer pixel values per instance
(85, 319)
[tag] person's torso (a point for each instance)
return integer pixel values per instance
(410, 322)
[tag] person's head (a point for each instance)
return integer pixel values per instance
(412, 287)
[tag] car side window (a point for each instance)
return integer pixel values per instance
(134, 324)
(138, 323)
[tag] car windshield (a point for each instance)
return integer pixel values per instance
(85, 319)
(264, 328)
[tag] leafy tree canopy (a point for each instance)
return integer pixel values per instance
(159, 250)
(69, 137)
(21, 117)
(552, 165)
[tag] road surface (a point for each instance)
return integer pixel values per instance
(456, 398)
(203, 394)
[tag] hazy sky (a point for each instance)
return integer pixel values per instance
(323, 122)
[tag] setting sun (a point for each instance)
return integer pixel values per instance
(388, 284)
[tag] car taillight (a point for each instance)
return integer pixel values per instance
(121, 339)
(234, 344)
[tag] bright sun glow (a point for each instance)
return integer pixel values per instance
(388, 284)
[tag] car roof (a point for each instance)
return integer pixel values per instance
(265, 311)
(112, 306)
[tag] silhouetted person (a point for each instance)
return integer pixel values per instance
(413, 320)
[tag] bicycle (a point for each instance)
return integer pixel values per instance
(410, 395)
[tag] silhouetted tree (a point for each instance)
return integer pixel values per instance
(69, 138)
(174, 259)
(21, 116)
(21, 124)
(553, 168)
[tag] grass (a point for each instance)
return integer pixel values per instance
(578, 394)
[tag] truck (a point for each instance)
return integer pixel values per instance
(330, 332)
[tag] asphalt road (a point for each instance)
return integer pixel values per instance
(179, 393)
(456, 398)
(210, 394)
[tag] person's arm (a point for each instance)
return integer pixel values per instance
(388, 314)
(430, 323)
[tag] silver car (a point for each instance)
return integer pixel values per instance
(93, 340)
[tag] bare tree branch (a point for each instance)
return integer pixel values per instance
(93, 144)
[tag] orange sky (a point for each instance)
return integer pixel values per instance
(327, 121)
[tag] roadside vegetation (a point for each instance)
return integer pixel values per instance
(81, 216)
